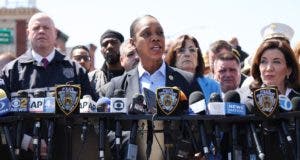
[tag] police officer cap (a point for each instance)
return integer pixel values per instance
(112, 34)
(280, 30)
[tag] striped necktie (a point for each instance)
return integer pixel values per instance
(45, 62)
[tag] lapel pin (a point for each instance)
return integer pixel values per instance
(171, 77)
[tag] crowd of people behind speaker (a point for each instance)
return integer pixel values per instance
(142, 62)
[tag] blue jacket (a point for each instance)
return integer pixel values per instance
(208, 87)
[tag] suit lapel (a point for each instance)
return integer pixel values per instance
(133, 85)
(170, 77)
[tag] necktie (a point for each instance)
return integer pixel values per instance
(45, 62)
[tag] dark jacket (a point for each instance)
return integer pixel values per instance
(129, 82)
(24, 73)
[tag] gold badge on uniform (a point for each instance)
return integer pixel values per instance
(67, 97)
(266, 100)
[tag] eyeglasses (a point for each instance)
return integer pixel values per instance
(80, 57)
(183, 50)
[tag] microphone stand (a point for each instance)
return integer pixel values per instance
(192, 138)
(167, 138)
(149, 138)
(36, 140)
(203, 137)
(290, 144)
(68, 129)
(218, 138)
(297, 138)
(101, 138)
(236, 150)
(282, 144)
(50, 139)
(251, 151)
(132, 147)
(19, 137)
(118, 135)
(9, 143)
(261, 155)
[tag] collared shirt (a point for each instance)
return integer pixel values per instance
(38, 57)
(154, 81)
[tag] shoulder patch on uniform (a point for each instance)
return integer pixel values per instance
(68, 72)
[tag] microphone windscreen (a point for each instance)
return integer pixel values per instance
(103, 100)
(296, 103)
(119, 93)
(2, 94)
(195, 97)
(23, 94)
(215, 97)
(139, 98)
(39, 93)
(232, 96)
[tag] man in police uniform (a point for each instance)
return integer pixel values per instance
(41, 68)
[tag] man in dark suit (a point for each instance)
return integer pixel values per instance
(152, 72)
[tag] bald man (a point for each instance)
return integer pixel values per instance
(41, 68)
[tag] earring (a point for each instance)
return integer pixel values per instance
(287, 76)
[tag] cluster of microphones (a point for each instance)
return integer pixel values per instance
(165, 102)
(231, 105)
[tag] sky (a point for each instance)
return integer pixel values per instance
(208, 20)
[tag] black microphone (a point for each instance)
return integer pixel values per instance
(103, 104)
(18, 104)
(257, 143)
(132, 147)
(49, 107)
(137, 107)
(216, 98)
(101, 138)
(234, 96)
(197, 104)
(50, 139)
(19, 137)
(296, 107)
(84, 128)
(282, 145)
(9, 143)
(118, 93)
(150, 99)
(37, 105)
(149, 138)
(36, 140)
(285, 105)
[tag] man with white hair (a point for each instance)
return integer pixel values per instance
(128, 56)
